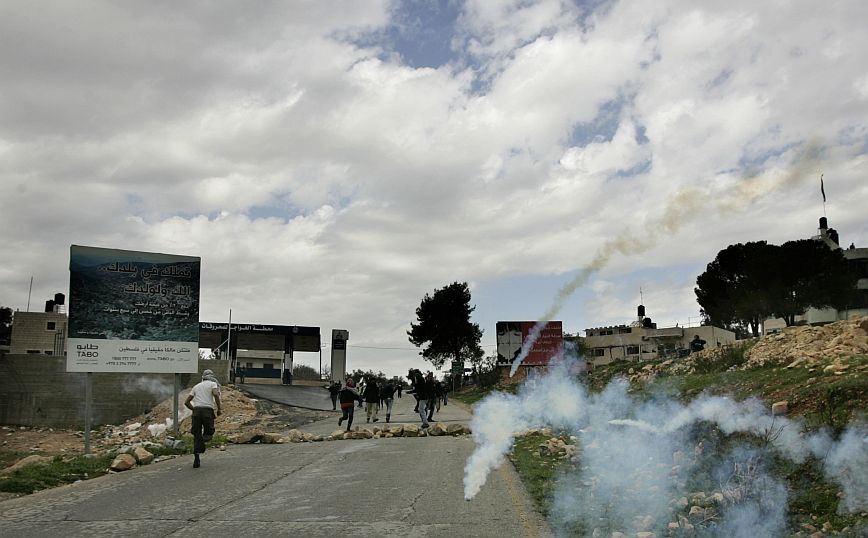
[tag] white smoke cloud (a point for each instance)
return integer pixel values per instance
(639, 458)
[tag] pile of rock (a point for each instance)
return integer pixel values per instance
(811, 346)
(398, 430)
(558, 448)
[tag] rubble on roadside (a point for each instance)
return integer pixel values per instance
(386, 432)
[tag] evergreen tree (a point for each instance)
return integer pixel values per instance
(444, 325)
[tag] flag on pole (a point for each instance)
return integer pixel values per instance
(822, 189)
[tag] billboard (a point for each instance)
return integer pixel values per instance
(132, 311)
(511, 335)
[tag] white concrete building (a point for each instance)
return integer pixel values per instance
(642, 340)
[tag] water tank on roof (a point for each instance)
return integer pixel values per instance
(49, 306)
(823, 223)
(647, 323)
(641, 311)
(59, 299)
(833, 235)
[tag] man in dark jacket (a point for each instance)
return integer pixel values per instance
(387, 394)
(421, 390)
(348, 397)
(334, 389)
(372, 399)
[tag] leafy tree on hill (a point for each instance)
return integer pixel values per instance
(811, 276)
(444, 325)
(747, 283)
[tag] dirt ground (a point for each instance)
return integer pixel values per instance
(240, 413)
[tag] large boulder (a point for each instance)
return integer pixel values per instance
(270, 438)
(397, 431)
(455, 429)
(123, 462)
(437, 430)
(337, 434)
(29, 460)
(295, 436)
(411, 430)
(142, 455)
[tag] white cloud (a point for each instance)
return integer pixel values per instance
(554, 130)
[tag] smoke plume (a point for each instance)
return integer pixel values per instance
(642, 462)
(683, 208)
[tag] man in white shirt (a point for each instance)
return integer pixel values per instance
(204, 400)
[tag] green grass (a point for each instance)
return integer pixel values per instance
(471, 395)
(61, 470)
(537, 472)
(68, 469)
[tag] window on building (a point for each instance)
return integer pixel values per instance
(34, 352)
(249, 365)
(49, 352)
(632, 350)
(267, 365)
(625, 330)
(606, 332)
(50, 325)
(598, 352)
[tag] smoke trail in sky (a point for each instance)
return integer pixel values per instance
(642, 462)
(683, 208)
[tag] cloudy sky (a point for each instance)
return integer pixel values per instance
(332, 162)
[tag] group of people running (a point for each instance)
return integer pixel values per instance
(429, 394)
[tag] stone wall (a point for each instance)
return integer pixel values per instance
(38, 391)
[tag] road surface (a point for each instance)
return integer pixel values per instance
(407, 487)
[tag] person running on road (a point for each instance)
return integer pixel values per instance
(387, 393)
(372, 399)
(348, 397)
(432, 395)
(421, 391)
(334, 389)
(203, 401)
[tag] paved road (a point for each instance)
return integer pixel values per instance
(408, 487)
(295, 395)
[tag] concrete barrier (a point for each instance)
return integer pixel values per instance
(38, 391)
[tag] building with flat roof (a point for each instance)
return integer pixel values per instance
(38, 333)
(642, 340)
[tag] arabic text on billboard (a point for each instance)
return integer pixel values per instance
(132, 311)
(512, 334)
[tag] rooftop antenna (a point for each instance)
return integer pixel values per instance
(641, 297)
(30, 292)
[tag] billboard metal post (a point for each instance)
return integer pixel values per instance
(88, 396)
(176, 404)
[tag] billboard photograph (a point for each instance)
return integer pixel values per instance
(511, 335)
(132, 311)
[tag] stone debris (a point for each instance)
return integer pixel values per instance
(809, 346)
(143, 457)
(123, 462)
(823, 349)
(779, 409)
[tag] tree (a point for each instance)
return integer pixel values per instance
(303, 371)
(811, 275)
(444, 325)
(734, 290)
(747, 283)
(5, 323)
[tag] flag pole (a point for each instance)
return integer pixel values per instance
(823, 192)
